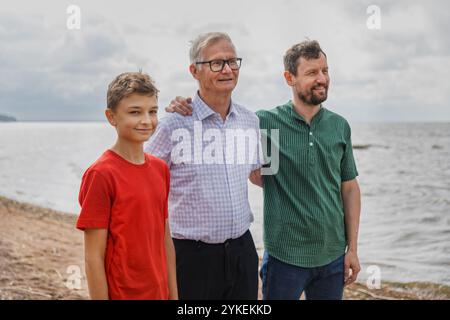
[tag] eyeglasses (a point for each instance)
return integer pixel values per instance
(218, 64)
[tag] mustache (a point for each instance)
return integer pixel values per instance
(320, 86)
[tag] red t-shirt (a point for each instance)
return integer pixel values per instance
(131, 202)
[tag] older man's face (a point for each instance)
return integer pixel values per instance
(218, 82)
(312, 80)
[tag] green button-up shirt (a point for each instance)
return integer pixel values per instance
(303, 209)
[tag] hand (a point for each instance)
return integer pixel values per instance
(180, 105)
(256, 178)
(351, 267)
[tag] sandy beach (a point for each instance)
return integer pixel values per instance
(41, 256)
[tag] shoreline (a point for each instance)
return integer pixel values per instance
(41, 257)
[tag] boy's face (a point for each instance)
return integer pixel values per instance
(135, 117)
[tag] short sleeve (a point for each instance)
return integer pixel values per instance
(348, 165)
(166, 204)
(160, 143)
(95, 200)
(259, 156)
(265, 139)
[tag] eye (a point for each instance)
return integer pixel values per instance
(216, 63)
(233, 62)
(134, 112)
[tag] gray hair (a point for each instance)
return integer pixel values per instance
(204, 40)
(308, 49)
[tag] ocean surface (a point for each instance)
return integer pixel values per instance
(404, 174)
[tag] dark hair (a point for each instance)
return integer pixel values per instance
(128, 83)
(308, 49)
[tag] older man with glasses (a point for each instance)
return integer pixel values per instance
(209, 211)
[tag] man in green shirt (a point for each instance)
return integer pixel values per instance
(312, 200)
(312, 204)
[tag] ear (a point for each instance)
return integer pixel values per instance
(194, 71)
(110, 116)
(290, 78)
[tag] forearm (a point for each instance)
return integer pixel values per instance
(96, 278)
(171, 268)
(352, 209)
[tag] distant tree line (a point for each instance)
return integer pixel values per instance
(7, 118)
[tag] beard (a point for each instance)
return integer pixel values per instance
(312, 98)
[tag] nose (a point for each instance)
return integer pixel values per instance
(146, 119)
(150, 121)
(321, 78)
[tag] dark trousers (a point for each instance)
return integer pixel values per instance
(217, 271)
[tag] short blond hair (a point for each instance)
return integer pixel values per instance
(127, 83)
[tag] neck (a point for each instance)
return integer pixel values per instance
(130, 151)
(219, 102)
(307, 111)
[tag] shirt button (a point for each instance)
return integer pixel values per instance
(311, 144)
(310, 133)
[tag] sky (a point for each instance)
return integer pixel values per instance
(397, 72)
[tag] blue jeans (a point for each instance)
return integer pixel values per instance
(285, 281)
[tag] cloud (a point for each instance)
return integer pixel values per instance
(401, 67)
(49, 72)
(55, 73)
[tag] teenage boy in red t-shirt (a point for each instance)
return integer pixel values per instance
(129, 252)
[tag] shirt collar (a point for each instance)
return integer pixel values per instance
(203, 111)
(316, 119)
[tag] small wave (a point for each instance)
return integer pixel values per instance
(430, 219)
(361, 146)
(358, 146)
(76, 169)
(407, 236)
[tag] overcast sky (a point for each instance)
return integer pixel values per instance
(396, 73)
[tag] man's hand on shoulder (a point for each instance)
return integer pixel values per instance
(181, 106)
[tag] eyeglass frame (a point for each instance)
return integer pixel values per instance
(223, 64)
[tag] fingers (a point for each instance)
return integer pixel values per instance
(355, 272)
(349, 280)
(183, 101)
(171, 107)
(346, 272)
(180, 105)
(185, 104)
(182, 110)
(351, 275)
